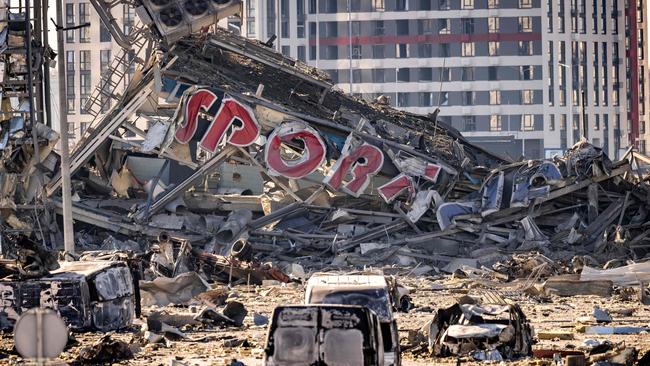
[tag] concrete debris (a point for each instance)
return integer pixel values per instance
(106, 350)
(178, 290)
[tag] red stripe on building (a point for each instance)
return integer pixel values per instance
(438, 38)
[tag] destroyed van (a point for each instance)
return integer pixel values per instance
(371, 291)
(319, 335)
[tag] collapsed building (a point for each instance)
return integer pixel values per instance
(246, 144)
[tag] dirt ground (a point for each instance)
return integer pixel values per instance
(553, 313)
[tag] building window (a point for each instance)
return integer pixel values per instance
(443, 5)
(402, 27)
(128, 18)
(426, 99)
(426, 26)
(84, 60)
(379, 29)
(378, 51)
(378, 76)
(467, 4)
(313, 6)
(402, 99)
(104, 34)
(493, 48)
(527, 97)
(69, 61)
(378, 5)
(492, 73)
(468, 97)
(525, 4)
(250, 18)
(84, 18)
(528, 122)
(70, 94)
(286, 51)
(356, 51)
(284, 16)
(84, 89)
(444, 98)
(402, 50)
(71, 129)
(495, 97)
(493, 25)
(312, 52)
(549, 16)
(467, 74)
(300, 19)
(597, 122)
(551, 123)
(425, 74)
(525, 48)
(69, 22)
(105, 104)
(525, 24)
(469, 123)
(445, 74)
(468, 25)
(425, 50)
(302, 53)
(467, 49)
(444, 26)
(443, 50)
(271, 23)
(402, 5)
(404, 74)
(495, 122)
(493, 4)
(355, 5)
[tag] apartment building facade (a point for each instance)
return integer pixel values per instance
(517, 76)
(89, 52)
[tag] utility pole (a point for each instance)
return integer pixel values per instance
(68, 232)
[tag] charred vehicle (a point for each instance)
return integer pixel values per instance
(485, 331)
(371, 291)
(98, 295)
(322, 335)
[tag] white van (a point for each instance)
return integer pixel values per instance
(371, 291)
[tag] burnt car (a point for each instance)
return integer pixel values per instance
(482, 330)
(97, 295)
(371, 291)
(320, 335)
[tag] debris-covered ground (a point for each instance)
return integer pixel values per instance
(555, 318)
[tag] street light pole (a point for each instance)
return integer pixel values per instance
(66, 187)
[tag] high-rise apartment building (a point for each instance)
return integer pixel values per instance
(518, 76)
(89, 52)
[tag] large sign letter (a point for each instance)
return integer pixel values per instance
(201, 100)
(236, 118)
(396, 186)
(312, 156)
(363, 162)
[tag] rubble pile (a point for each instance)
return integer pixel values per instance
(254, 154)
